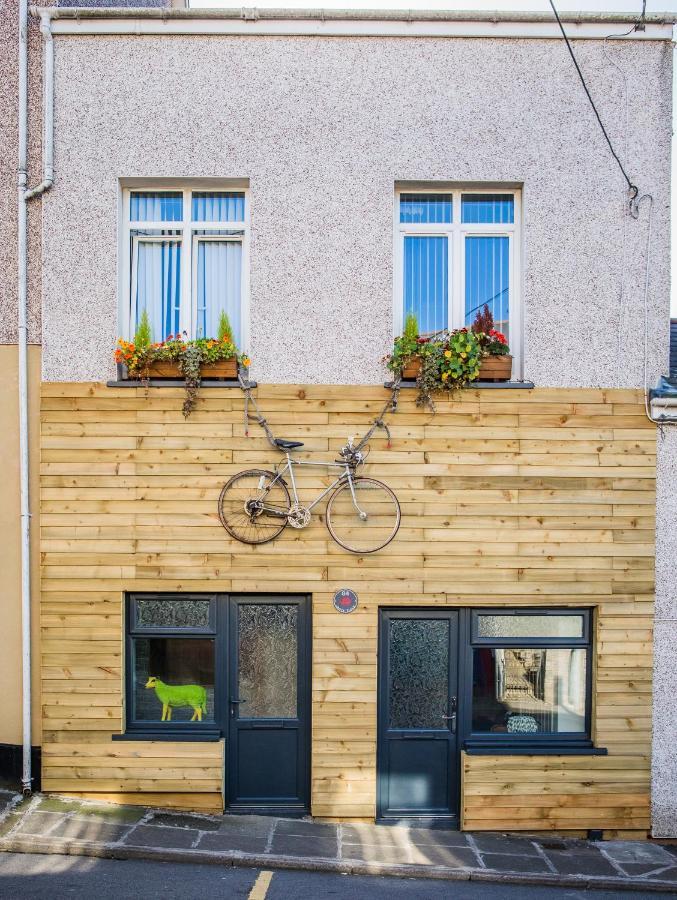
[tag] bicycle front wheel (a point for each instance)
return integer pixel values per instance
(253, 506)
(363, 518)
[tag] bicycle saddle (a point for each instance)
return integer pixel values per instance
(287, 445)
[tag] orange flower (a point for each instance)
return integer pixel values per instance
(246, 361)
(210, 344)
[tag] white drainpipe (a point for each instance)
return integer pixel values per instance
(24, 196)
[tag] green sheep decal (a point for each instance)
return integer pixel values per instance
(174, 696)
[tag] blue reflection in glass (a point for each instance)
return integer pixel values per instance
(221, 206)
(156, 206)
(488, 209)
(426, 281)
(425, 209)
(487, 279)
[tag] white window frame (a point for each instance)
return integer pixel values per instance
(189, 241)
(456, 233)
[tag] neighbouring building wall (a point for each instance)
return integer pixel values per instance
(664, 770)
(9, 149)
(10, 546)
(323, 128)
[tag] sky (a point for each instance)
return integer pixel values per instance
(622, 6)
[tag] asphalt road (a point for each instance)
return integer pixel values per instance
(62, 877)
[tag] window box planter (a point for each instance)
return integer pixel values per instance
(223, 369)
(412, 369)
(495, 368)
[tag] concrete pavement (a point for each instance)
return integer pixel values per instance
(78, 828)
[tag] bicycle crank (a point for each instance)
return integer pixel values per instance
(298, 516)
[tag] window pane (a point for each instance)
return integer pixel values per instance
(419, 673)
(219, 280)
(487, 270)
(426, 281)
(529, 691)
(267, 646)
(172, 613)
(218, 207)
(156, 206)
(158, 285)
(174, 677)
(527, 626)
(425, 209)
(488, 208)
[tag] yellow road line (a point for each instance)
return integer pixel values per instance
(261, 885)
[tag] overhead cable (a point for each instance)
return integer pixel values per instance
(634, 190)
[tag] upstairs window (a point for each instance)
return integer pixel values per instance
(456, 252)
(185, 253)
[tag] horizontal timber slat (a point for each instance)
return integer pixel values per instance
(509, 498)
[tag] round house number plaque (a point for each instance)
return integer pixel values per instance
(345, 600)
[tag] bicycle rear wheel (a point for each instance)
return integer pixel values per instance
(252, 508)
(367, 521)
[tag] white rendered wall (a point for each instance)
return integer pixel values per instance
(323, 128)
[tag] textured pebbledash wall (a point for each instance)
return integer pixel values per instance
(323, 128)
(664, 767)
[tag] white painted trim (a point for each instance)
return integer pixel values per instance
(345, 24)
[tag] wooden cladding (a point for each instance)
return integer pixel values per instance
(543, 498)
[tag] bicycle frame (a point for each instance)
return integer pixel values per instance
(346, 475)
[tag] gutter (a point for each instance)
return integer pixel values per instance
(23, 196)
(387, 23)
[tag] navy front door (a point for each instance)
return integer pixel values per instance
(269, 704)
(417, 736)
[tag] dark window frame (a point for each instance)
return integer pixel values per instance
(509, 742)
(142, 728)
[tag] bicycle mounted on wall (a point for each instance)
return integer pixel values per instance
(362, 516)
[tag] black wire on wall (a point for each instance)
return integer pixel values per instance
(634, 190)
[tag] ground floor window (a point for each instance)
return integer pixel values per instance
(171, 661)
(530, 675)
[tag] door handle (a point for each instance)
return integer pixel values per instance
(452, 718)
(234, 704)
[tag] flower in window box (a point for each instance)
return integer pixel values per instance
(496, 358)
(179, 356)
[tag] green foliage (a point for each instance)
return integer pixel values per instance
(410, 327)
(142, 337)
(449, 360)
(189, 355)
(224, 331)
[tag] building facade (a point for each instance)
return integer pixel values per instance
(318, 179)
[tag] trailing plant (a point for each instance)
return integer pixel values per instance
(492, 342)
(190, 356)
(449, 360)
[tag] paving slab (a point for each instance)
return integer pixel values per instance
(182, 820)
(290, 845)
(453, 857)
(637, 852)
(513, 862)
(301, 827)
(151, 836)
(501, 843)
(39, 822)
(580, 862)
(222, 842)
(88, 830)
